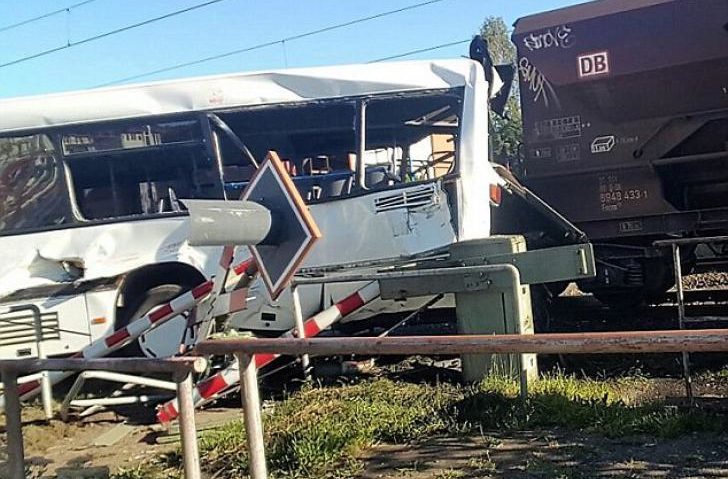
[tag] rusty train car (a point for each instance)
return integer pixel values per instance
(625, 119)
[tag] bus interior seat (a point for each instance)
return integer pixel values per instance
(97, 203)
(379, 177)
(238, 173)
(337, 184)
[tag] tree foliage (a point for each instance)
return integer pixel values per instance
(506, 132)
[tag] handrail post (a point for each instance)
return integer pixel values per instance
(13, 427)
(188, 429)
(253, 418)
(681, 321)
(300, 331)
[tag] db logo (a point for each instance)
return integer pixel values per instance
(593, 64)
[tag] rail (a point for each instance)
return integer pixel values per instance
(709, 340)
(181, 370)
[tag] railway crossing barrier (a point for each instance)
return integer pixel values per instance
(715, 340)
(230, 376)
(181, 370)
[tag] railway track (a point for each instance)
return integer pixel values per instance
(704, 309)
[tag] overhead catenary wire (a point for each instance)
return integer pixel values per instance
(109, 33)
(272, 42)
(11, 26)
(421, 50)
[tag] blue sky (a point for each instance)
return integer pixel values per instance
(225, 26)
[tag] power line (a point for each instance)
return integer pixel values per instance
(45, 15)
(272, 42)
(422, 50)
(110, 33)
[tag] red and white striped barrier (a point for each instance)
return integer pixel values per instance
(121, 337)
(230, 376)
(158, 316)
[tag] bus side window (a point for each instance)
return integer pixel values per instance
(33, 193)
(122, 170)
(315, 140)
(411, 137)
(433, 156)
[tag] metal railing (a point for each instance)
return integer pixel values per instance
(574, 343)
(675, 245)
(181, 370)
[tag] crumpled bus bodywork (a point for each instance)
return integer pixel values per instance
(76, 267)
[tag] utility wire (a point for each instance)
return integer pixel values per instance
(110, 33)
(45, 15)
(422, 50)
(272, 42)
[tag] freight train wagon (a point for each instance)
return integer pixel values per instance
(625, 119)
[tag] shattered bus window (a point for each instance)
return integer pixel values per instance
(316, 142)
(33, 193)
(411, 137)
(131, 170)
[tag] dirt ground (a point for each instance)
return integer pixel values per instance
(54, 446)
(551, 454)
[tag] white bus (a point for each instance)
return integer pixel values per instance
(391, 158)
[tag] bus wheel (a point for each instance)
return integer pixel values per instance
(143, 303)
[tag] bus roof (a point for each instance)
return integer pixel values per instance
(230, 91)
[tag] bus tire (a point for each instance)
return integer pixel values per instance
(143, 303)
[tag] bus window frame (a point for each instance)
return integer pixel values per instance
(55, 135)
(354, 101)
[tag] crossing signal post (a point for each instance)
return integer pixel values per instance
(271, 219)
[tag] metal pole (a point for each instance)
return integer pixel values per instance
(253, 418)
(300, 331)
(361, 143)
(630, 342)
(681, 321)
(13, 426)
(188, 431)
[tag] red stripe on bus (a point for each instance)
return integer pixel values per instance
(167, 413)
(264, 359)
(243, 267)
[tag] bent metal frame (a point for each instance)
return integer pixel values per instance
(180, 368)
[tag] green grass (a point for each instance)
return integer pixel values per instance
(581, 404)
(320, 432)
